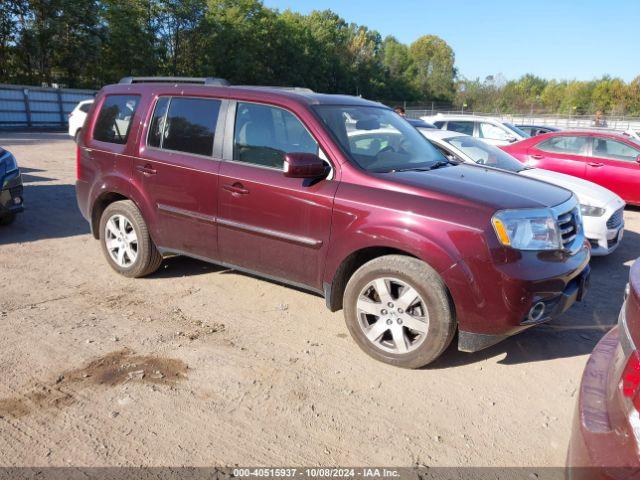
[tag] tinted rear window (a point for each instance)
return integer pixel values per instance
(189, 125)
(114, 121)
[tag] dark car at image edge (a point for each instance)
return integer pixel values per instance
(281, 183)
(11, 190)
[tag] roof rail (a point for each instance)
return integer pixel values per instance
(290, 89)
(199, 80)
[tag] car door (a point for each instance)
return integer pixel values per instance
(268, 223)
(613, 164)
(178, 172)
(561, 153)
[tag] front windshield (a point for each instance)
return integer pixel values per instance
(513, 128)
(485, 154)
(378, 140)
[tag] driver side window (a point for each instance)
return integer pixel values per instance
(264, 135)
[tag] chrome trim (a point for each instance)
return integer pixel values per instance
(201, 217)
(563, 213)
(287, 237)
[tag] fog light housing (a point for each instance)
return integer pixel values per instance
(17, 201)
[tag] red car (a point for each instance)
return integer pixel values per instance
(606, 429)
(334, 194)
(608, 159)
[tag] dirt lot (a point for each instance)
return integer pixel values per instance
(222, 368)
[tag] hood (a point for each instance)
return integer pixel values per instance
(494, 188)
(588, 193)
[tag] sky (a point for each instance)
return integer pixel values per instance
(561, 39)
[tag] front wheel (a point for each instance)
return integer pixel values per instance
(126, 242)
(398, 311)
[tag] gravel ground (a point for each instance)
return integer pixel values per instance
(198, 365)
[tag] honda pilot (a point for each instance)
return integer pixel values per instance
(334, 194)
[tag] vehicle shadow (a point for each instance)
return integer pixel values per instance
(50, 212)
(27, 176)
(578, 330)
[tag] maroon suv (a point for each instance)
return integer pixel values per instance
(335, 194)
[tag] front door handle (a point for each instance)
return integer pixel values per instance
(537, 156)
(236, 188)
(146, 169)
(595, 165)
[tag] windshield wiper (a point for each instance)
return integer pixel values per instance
(422, 169)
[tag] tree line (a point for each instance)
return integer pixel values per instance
(530, 93)
(90, 43)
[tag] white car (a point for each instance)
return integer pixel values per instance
(602, 210)
(77, 116)
(635, 134)
(490, 130)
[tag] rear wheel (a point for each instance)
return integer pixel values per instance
(126, 242)
(398, 311)
(76, 137)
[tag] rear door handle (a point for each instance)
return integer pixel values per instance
(146, 169)
(236, 188)
(537, 156)
(595, 165)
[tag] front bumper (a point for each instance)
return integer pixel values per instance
(11, 194)
(493, 298)
(605, 233)
(575, 291)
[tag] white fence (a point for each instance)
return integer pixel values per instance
(570, 121)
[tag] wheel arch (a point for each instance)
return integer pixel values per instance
(334, 290)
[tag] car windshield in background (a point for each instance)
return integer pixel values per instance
(484, 154)
(378, 140)
(512, 127)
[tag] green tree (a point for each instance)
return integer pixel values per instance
(432, 68)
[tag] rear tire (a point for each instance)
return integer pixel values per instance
(398, 311)
(76, 137)
(126, 242)
(7, 219)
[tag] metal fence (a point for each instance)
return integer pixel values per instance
(25, 107)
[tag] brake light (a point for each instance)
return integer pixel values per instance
(631, 379)
(78, 155)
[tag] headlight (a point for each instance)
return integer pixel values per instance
(10, 163)
(590, 211)
(529, 229)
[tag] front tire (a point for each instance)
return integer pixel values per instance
(126, 242)
(398, 311)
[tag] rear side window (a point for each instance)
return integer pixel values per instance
(608, 148)
(461, 127)
(438, 124)
(114, 120)
(85, 107)
(565, 144)
(264, 134)
(492, 132)
(185, 125)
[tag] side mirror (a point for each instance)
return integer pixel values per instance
(512, 139)
(304, 165)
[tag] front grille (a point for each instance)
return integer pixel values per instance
(569, 227)
(616, 219)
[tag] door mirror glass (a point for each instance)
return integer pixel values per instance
(304, 165)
